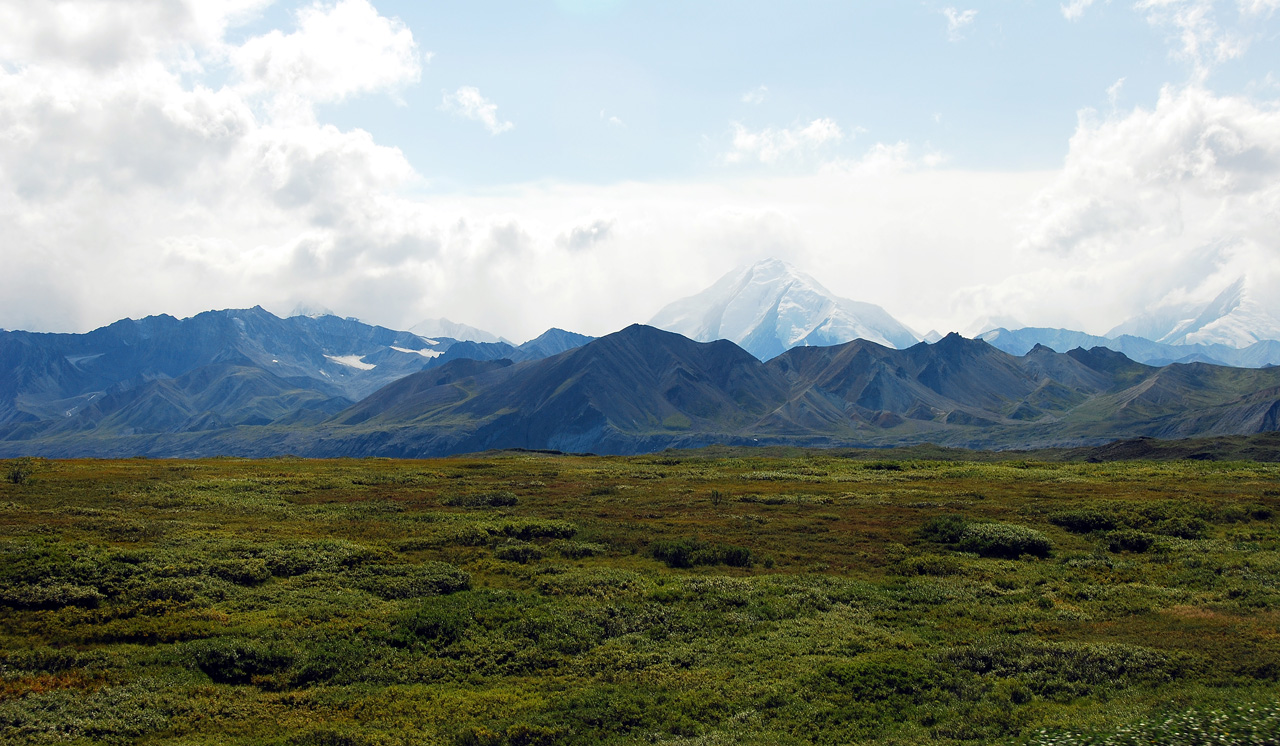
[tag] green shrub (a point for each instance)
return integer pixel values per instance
(578, 549)
(1083, 521)
(930, 564)
(527, 530)
(1003, 540)
(241, 571)
(1182, 527)
(1063, 671)
(1129, 540)
(692, 552)
(413, 581)
(236, 660)
(336, 660)
(52, 595)
(944, 529)
(20, 471)
(434, 623)
(518, 551)
(500, 499)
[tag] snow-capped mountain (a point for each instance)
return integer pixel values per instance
(1236, 317)
(445, 328)
(770, 307)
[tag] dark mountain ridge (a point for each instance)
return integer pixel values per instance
(642, 389)
(215, 370)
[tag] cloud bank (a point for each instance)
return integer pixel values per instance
(155, 158)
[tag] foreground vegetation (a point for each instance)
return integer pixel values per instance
(523, 599)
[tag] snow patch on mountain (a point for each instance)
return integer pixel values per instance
(425, 353)
(351, 361)
(770, 307)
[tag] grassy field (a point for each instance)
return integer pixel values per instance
(708, 598)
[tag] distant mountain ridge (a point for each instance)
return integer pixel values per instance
(770, 307)
(1237, 317)
(215, 370)
(1021, 341)
(643, 389)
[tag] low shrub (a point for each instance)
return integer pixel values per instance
(1083, 521)
(241, 571)
(439, 625)
(413, 581)
(20, 471)
(1005, 540)
(236, 660)
(534, 529)
(944, 529)
(694, 552)
(49, 596)
(578, 549)
(1130, 540)
(1063, 671)
(501, 499)
(518, 551)
(1182, 527)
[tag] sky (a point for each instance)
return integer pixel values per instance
(523, 164)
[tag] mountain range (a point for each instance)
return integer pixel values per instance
(643, 389)
(774, 358)
(216, 370)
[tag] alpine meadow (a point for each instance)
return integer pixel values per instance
(704, 597)
(639, 372)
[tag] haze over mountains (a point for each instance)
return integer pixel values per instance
(247, 382)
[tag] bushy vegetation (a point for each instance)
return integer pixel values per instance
(680, 599)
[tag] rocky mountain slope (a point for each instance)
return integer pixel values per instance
(643, 389)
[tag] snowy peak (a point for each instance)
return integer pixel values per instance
(770, 307)
(1236, 317)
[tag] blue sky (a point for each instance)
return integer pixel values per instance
(580, 163)
(1000, 91)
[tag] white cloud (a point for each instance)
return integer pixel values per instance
(771, 145)
(106, 34)
(338, 51)
(1075, 9)
(755, 96)
(611, 120)
(1170, 202)
(957, 21)
(1198, 34)
(467, 102)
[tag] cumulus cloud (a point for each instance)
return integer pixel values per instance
(1152, 206)
(106, 34)
(468, 103)
(957, 21)
(129, 186)
(771, 145)
(336, 52)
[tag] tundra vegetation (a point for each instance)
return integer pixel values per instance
(712, 597)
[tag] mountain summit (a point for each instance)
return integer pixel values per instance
(770, 307)
(1237, 317)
